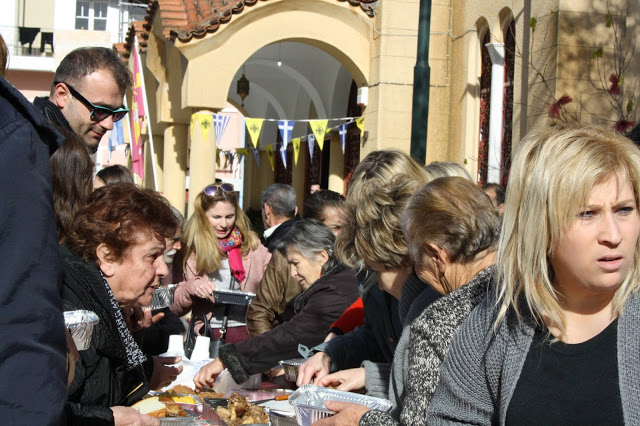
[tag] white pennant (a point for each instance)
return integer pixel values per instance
(311, 140)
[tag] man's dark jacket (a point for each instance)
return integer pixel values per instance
(32, 365)
(282, 230)
(52, 112)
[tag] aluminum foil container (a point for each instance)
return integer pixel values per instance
(80, 324)
(163, 297)
(282, 419)
(291, 366)
(308, 402)
(233, 297)
(179, 421)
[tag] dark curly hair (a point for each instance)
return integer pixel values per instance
(118, 215)
(316, 202)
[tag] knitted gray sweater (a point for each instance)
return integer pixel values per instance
(431, 335)
(480, 373)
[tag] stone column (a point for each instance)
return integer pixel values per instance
(202, 163)
(496, 52)
(175, 165)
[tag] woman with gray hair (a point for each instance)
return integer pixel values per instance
(329, 289)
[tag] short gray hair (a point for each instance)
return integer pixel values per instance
(310, 237)
(281, 199)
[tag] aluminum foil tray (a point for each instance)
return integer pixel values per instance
(291, 368)
(282, 419)
(232, 297)
(163, 297)
(81, 324)
(308, 402)
(179, 421)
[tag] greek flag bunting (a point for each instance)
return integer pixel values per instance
(286, 127)
(342, 130)
(220, 124)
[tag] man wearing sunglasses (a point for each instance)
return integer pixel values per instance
(87, 94)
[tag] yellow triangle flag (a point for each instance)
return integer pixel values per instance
(242, 151)
(218, 157)
(360, 124)
(269, 149)
(205, 124)
(319, 128)
(254, 125)
(296, 150)
(193, 122)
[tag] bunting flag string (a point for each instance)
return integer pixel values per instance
(319, 128)
(220, 124)
(343, 136)
(311, 140)
(256, 156)
(269, 150)
(205, 125)
(286, 127)
(283, 155)
(254, 126)
(296, 150)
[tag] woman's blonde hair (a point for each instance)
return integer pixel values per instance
(552, 176)
(438, 169)
(199, 237)
(454, 214)
(378, 192)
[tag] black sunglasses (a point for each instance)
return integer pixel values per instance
(213, 188)
(98, 113)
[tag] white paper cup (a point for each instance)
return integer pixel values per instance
(201, 349)
(176, 345)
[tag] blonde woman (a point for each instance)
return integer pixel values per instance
(222, 252)
(558, 344)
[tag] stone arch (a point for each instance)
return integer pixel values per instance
(253, 29)
(306, 85)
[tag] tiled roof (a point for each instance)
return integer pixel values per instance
(185, 19)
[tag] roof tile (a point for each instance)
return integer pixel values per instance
(185, 19)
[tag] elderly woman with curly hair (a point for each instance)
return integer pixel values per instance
(557, 341)
(113, 261)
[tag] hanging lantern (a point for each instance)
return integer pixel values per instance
(242, 87)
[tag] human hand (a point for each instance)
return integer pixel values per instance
(163, 371)
(317, 366)
(350, 380)
(144, 318)
(127, 416)
(330, 336)
(348, 414)
(206, 377)
(203, 288)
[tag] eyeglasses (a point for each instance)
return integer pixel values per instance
(98, 113)
(213, 188)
